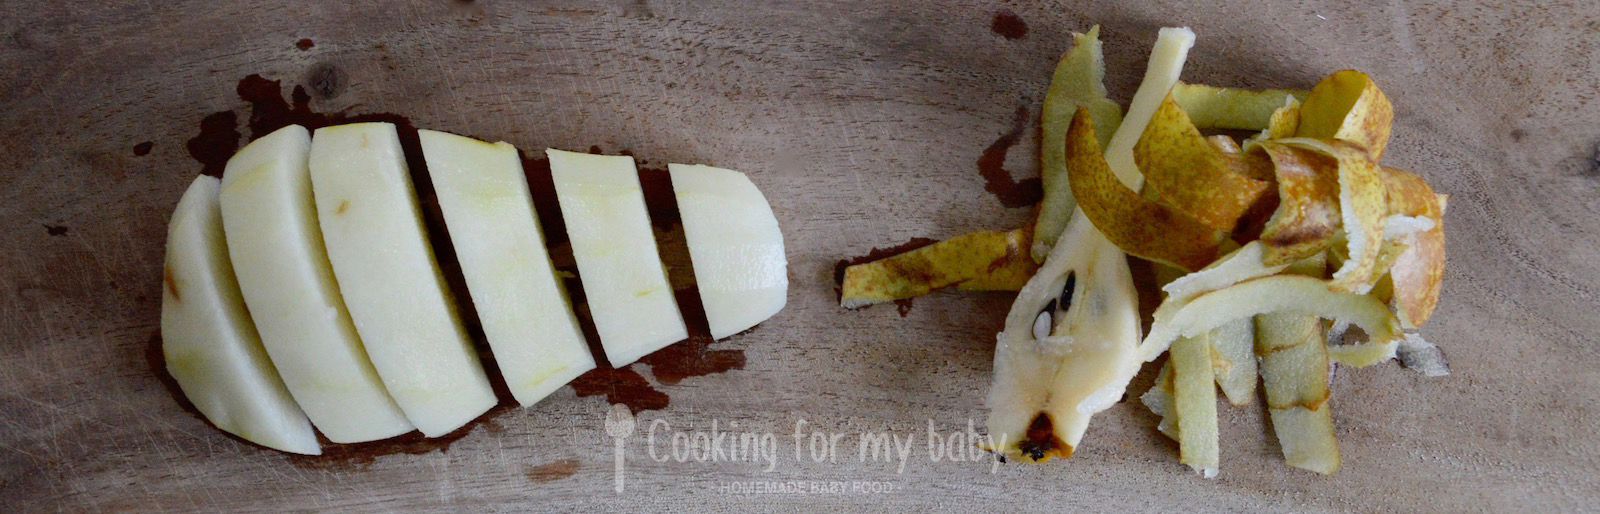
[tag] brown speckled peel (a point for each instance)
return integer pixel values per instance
(1308, 204)
(1362, 206)
(1348, 105)
(1186, 172)
(1138, 226)
(1417, 271)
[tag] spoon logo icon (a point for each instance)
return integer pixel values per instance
(619, 425)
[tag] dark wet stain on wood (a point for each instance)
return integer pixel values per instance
(143, 149)
(1008, 25)
(55, 230)
(305, 44)
(997, 180)
(553, 471)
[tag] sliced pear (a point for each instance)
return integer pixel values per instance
(1184, 171)
(1283, 293)
(1212, 107)
(988, 260)
(208, 340)
(1138, 226)
(372, 225)
(283, 270)
(1159, 399)
(1195, 400)
(1079, 81)
(524, 309)
(734, 244)
(623, 279)
(1348, 105)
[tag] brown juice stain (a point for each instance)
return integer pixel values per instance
(143, 149)
(56, 230)
(553, 471)
(219, 139)
(305, 44)
(903, 305)
(999, 182)
(1008, 25)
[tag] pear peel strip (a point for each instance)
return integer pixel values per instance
(1282, 293)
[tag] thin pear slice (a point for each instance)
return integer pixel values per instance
(372, 226)
(1308, 215)
(988, 260)
(734, 244)
(1417, 271)
(1212, 107)
(1282, 293)
(209, 343)
(1079, 81)
(524, 309)
(1159, 399)
(277, 252)
(618, 263)
(1195, 401)
(1166, 63)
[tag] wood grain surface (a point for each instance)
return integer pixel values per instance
(863, 122)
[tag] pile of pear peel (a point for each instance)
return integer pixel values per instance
(1278, 256)
(301, 291)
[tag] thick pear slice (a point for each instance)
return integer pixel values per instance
(1348, 105)
(1079, 81)
(210, 345)
(622, 275)
(372, 226)
(734, 244)
(1212, 107)
(277, 252)
(524, 309)
(988, 260)
(1282, 293)
(1045, 390)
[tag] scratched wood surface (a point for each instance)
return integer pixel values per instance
(863, 123)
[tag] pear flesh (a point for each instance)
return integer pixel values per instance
(734, 244)
(208, 340)
(622, 275)
(372, 225)
(495, 232)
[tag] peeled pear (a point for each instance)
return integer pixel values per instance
(623, 279)
(372, 225)
(524, 309)
(277, 252)
(734, 245)
(208, 340)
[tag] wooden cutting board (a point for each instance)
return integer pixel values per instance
(866, 124)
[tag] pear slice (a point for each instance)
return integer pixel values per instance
(1231, 108)
(277, 252)
(734, 244)
(622, 275)
(210, 345)
(372, 226)
(524, 309)
(1280, 293)
(1079, 81)
(1195, 402)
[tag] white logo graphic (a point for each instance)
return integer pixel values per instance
(619, 425)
